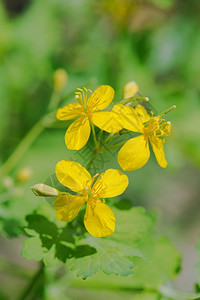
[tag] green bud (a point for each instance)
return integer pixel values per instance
(41, 189)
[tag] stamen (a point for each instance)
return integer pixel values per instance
(76, 98)
(158, 127)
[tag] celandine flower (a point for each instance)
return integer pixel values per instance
(135, 152)
(78, 132)
(99, 219)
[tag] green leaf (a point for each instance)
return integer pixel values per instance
(132, 248)
(153, 261)
(163, 264)
(32, 249)
(51, 242)
(47, 242)
(115, 253)
(111, 257)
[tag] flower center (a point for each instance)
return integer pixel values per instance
(157, 127)
(81, 97)
(96, 192)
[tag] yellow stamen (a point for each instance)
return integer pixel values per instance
(157, 127)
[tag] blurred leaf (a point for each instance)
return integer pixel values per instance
(162, 266)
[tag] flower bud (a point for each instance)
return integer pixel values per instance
(41, 189)
(60, 79)
(24, 174)
(130, 89)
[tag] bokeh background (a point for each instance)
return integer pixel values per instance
(157, 44)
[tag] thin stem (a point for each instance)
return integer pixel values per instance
(99, 137)
(133, 99)
(94, 135)
(92, 160)
(36, 284)
(109, 138)
(116, 135)
(22, 148)
(167, 110)
(115, 146)
(54, 101)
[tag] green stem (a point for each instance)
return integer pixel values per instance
(94, 136)
(99, 137)
(114, 136)
(92, 160)
(54, 101)
(167, 110)
(35, 286)
(109, 138)
(115, 146)
(21, 148)
(133, 99)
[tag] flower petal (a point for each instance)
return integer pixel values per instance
(130, 89)
(68, 206)
(107, 121)
(78, 134)
(100, 98)
(134, 154)
(110, 184)
(72, 175)
(158, 149)
(69, 111)
(143, 113)
(130, 119)
(99, 220)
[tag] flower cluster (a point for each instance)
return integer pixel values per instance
(87, 109)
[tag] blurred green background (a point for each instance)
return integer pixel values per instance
(155, 43)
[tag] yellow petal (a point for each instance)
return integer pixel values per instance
(70, 111)
(72, 175)
(107, 121)
(100, 98)
(99, 220)
(110, 184)
(130, 89)
(158, 149)
(134, 154)
(143, 113)
(68, 206)
(130, 119)
(78, 134)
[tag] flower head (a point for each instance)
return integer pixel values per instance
(85, 109)
(135, 153)
(99, 219)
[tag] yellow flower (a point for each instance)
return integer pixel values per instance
(99, 219)
(135, 153)
(78, 132)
